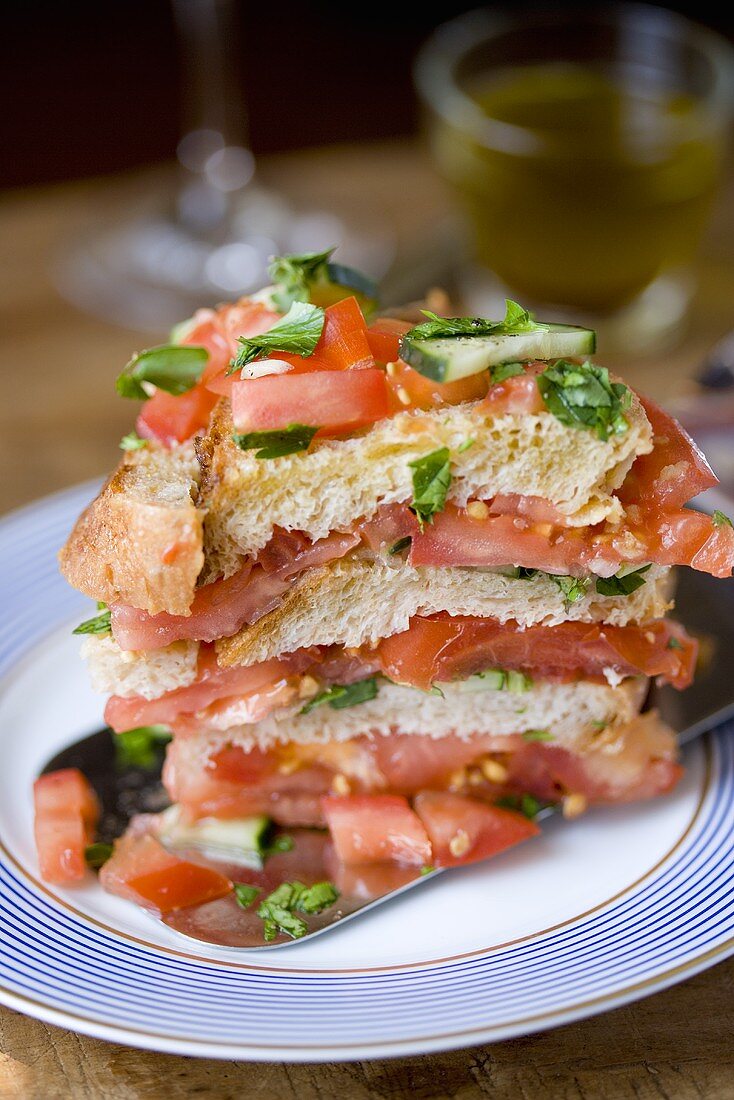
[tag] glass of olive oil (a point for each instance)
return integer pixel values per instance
(585, 148)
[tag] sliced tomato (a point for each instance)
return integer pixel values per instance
(256, 682)
(390, 524)
(463, 830)
(168, 419)
(673, 473)
(243, 318)
(335, 402)
(222, 608)
(518, 395)
(66, 812)
(383, 337)
(373, 828)
(441, 648)
(412, 389)
(343, 344)
(141, 870)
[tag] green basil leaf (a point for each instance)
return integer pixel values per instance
(277, 443)
(100, 624)
(297, 333)
(580, 395)
(316, 898)
(516, 320)
(136, 748)
(537, 735)
(623, 585)
(719, 519)
(502, 371)
(293, 274)
(174, 368)
(573, 588)
(132, 442)
(341, 696)
(245, 894)
(431, 482)
(96, 855)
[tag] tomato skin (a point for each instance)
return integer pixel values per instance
(343, 342)
(673, 473)
(66, 812)
(168, 419)
(477, 829)
(332, 401)
(383, 337)
(519, 395)
(375, 828)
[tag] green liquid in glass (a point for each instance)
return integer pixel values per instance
(606, 197)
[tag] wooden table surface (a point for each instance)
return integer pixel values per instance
(59, 423)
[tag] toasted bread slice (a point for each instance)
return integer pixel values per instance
(141, 541)
(354, 602)
(570, 711)
(338, 482)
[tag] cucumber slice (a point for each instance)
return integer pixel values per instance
(239, 838)
(337, 281)
(448, 358)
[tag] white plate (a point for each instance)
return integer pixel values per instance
(591, 915)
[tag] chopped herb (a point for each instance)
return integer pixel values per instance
(431, 481)
(96, 855)
(501, 371)
(436, 690)
(621, 584)
(496, 678)
(100, 624)
(136, 748)
(719, 519)
(599, 726)
(465, 445)
(245, 894)
(400, 545)
(529, 806)
(297, 333)
(427, 869)
(581, 396)
(132, 442)
(276, 443)
(517, 682)
(316, 898)
(525, 804)
(296, 276)
(282, 843)
(516, 321)
(277, 909)
(673, 643)
(170, 367)
(537, 735)
(344, 695)
(573, 588)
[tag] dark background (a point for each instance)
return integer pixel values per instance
(92, 86)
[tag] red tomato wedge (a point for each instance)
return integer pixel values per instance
(333, 401)
(222, 608)
(66, 812)
(168, 420)
(673, 473)
(373, 828)
(141, 870)
(519, 395)
(441, 649)
(383, 337)
(463, 830)
(343, 342)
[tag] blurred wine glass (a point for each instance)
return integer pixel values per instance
(205, 232)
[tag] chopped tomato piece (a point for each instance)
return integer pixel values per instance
(441, 648)
(66, 812)
(343, 342)
(390, 524)
(333, 401)
(141, 870)
(373, 828)
(179, 886)
(519, 395)
(423, 393)
(463, 830)
(168, 419)
(673, 473)
(383, 337)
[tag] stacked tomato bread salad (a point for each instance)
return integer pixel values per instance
(402, 577)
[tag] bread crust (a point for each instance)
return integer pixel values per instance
(140, 541)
